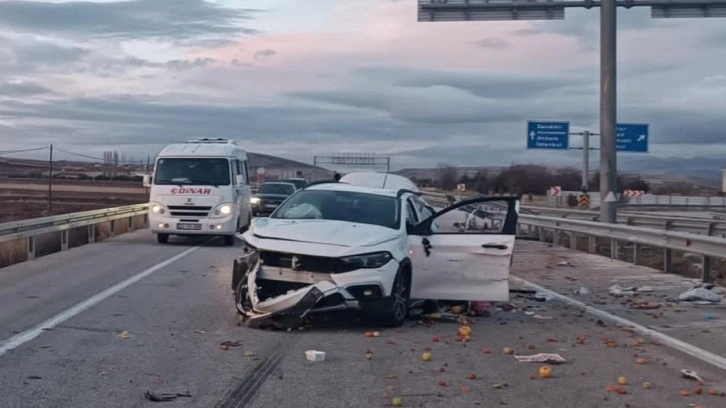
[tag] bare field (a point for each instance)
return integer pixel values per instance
(20, 201)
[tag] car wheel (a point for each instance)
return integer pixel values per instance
(229, 240)
(397, 310)
(162, 238)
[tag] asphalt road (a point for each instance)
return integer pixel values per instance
(178, 312)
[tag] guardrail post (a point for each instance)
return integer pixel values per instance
(668, 253)
(542, 234)
(91, 234)
(591, 244)
(65, 235)
(31, 248)
(130, 223)
(614, 249)
(636, 253)
(555, 237)
(146, 220)
(573, 242)
(113, 228)
(707, 276)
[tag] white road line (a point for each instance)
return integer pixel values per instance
(690, 349)
(28, 335)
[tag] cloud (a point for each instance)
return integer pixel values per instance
(492, 43)
(262, 55)
(21, 88)
(175, 20)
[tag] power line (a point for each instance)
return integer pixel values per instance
(23, 150)
(78, 154)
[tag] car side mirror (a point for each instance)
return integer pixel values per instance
(239, 180)
(147, 180)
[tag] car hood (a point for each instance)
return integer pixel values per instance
(340, 234)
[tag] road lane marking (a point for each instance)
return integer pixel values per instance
(690, 349)
(28, 335)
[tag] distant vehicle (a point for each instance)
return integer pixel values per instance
(200, 187)
(334, 246)
(269, 196)
(299, 183)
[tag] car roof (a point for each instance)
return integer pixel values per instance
(333, 186)
(277, 182)
(385, 181)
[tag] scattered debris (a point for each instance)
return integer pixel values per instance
(545, 371)
(541, 358)
(583, 291)
(426, 356)
(372, 334)
(699, 295)
(124, 335)
(692, 375)
(540, 317)
(315, 356)
(564, 263)
(164, 397)
(543, 296)
(200, 331)
(34, 377)
(230, 343)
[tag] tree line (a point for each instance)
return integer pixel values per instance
(523, 179)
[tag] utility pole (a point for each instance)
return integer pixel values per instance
(50, 182)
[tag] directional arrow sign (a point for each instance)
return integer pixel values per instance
(548, 135)
(632, 137)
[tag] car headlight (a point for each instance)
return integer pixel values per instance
(222, 210)
(157, 208)
(254, 200)
(369, 261)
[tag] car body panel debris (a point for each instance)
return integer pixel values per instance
(333, 246)
(165, 397)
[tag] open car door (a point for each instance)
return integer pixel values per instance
(464, 252)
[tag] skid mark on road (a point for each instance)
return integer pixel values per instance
(242, 395)
(28, 335)
(690, 349)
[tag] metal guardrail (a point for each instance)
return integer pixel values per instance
(707, 246)
(715, 226)
(29, 229)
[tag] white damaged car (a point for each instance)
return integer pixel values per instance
(334, 246)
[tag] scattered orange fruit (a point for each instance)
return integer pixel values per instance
(622, 380)
(397, 402)
(640, 360)
(545, 372)
(698, 391)
(508, 350)
(532, 376)
(436, 339)
(713, 392)
(472, 376)
(464, 331)
(465, 389)
(442, 383)
(685, 393)
(426, 356)
(646, 385)
(486, 350)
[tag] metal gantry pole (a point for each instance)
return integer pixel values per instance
(608, 113)
(585, 161)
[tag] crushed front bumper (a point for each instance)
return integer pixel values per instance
(312, 293)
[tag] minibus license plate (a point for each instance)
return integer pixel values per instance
(189, 226)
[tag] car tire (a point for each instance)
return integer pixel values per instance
(228, 240)
(396, 310)
(162, 238)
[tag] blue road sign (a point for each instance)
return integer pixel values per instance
(632, 137)
(548, 135)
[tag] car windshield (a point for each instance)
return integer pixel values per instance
(214, 172)
(341, 206)
(275, 188)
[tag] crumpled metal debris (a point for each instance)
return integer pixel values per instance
(617, 290)
(165, 397)
(541, 358)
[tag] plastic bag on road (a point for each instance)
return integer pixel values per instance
(698, 295)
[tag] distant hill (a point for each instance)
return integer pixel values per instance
(30, 168)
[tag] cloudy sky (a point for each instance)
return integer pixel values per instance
(297, 78)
